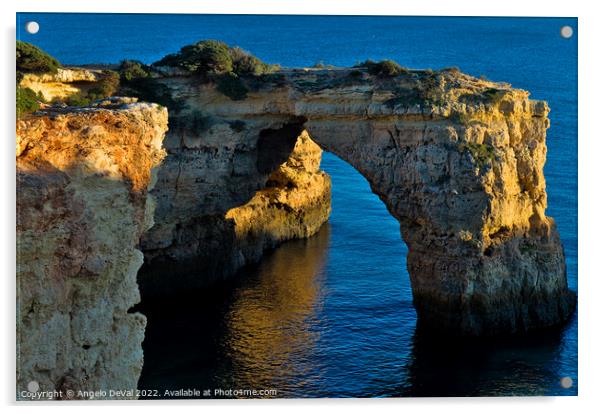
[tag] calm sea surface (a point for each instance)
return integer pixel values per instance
(332, 315)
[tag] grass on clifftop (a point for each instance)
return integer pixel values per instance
(214, 61)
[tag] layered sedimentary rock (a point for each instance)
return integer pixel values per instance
(62, 84)
(457, 160)
(226, 193)
(83, 177)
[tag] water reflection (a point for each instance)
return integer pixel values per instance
(512, 366)
(252, 333)
(268, 335)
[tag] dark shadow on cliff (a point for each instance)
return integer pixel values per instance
(274, 146)
(203, 253)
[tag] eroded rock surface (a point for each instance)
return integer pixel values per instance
(64, 83)
(457, 160)
(83, 177)
(226, 197)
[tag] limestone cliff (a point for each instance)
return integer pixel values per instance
(227, 196)
(83, 177)
(62, 84)
(457, 160)
(294, 204)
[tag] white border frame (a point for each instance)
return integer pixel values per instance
(590, 287)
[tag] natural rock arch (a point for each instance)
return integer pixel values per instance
(458, 162)
(480, 260)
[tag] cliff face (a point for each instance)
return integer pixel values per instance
(294, 204)
(83, 177)
(228, 191)
(66, 82)
(457, 160)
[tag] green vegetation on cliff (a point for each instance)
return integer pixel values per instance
(425, 91)
(32, 59)
(136, 79)
(209, 58)
(384, 69)
(482, 154)
(27, 101)
(214, 61)
(133, 69)
(232, 86)
(106, 86)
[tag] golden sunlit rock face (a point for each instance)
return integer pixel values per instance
(295, 204)
(228, 191)
(83, 177)
(63, 84)
(457, 160)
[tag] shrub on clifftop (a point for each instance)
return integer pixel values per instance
(133, 69)
(106, 86)
(27, 101)
(210, 58)
(232, 86)
(33, 59)
(244, 63)
(206, 58)
(384, 68)
(136, 80)
(215, 61)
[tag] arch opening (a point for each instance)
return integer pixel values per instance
(308, 305)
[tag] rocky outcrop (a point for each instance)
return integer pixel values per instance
(457, 160)
(294, 204)
(228, 195)
(62, 84)
(83, 177)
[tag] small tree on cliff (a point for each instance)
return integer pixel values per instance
(133, 69)
(33, 59)
(215, 61)
(384, 68)
(206, 58)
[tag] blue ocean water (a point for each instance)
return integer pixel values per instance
(332, 315)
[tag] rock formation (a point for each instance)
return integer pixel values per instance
(66, 82)
(83, 176)
(228, 191)
(457, 160)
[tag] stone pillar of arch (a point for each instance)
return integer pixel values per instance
(470, 198)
